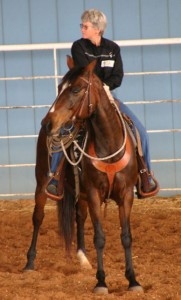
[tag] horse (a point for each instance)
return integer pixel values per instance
(109, 169)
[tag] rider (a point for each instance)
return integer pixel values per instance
(109, 69)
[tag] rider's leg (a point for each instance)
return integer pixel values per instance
(142, 132)
(56, 157)
(53, 183)
(148, 184)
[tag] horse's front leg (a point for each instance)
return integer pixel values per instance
(81, 216)
(126, 239)
(99, 242)
(38, 215)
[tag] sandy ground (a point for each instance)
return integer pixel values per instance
(156, 230)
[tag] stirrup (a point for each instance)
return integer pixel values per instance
(52, 196)
(141, 194)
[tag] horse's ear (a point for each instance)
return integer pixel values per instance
(90, 67)
(70, 62)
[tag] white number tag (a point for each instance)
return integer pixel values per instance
(107, 63)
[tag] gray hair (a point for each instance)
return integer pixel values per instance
(96, 17)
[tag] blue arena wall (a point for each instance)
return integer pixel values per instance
(57, 21)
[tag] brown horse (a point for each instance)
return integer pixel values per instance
(108, 168)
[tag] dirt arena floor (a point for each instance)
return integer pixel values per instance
(156, 230)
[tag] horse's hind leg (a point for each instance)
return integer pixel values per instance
(81, 215)
(126, 239)
(38, 215)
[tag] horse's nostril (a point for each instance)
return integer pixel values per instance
(47, 127)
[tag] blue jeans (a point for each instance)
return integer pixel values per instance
(56, 157)
(142, 131)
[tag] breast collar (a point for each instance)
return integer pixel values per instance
(111, 168)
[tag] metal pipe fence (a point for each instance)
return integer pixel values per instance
(58, 46)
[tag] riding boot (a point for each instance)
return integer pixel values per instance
(54, 186)
(147, 185)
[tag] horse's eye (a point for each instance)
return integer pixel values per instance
(75, 89)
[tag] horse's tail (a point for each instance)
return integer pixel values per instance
(66, 218)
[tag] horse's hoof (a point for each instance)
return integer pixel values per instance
(136, 288)
(101, 290)
(28, 269)
(85, 264)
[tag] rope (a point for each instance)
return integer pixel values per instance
(82, 150)
(115, 153)
(54, 143)
(57, 144)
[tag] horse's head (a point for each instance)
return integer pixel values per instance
(77, 98)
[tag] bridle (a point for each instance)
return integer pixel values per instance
(87, 106)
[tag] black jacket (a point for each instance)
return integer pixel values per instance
(109, 67)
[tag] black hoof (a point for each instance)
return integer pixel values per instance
(28, 268)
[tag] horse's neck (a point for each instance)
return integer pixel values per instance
(106, 125)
